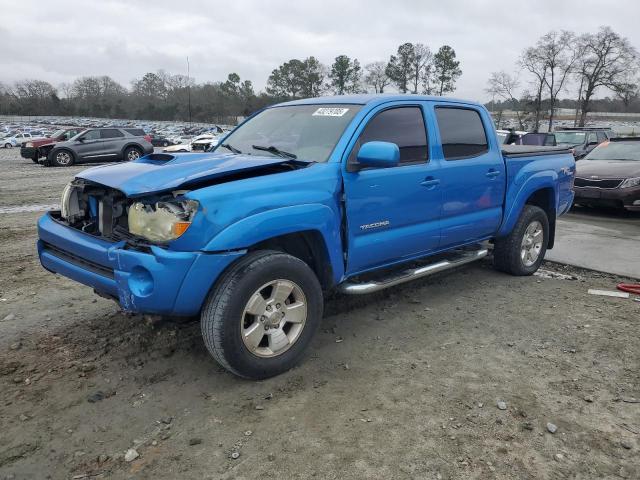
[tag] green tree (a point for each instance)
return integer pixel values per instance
(286, 80)
(446, 69)
(312, 78)
(345, 75)
(399, 69)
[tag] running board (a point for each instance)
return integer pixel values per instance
(397, 278)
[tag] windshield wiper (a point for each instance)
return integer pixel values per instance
(275, 151)
(230, 148)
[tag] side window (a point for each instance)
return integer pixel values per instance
(592, 138)
(461, 132)
(91, 135)
(111, 133)
(403, 126)
(601, 137)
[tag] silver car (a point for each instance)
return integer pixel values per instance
(100, 145)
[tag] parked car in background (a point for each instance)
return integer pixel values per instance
(350, 193)
(38, 148)
(581, 140)
(15, 139)
(99, 144)
(610, 175)
(539, 139)
(160, 141)
(178, 148)
(509, 137)
(202, 142)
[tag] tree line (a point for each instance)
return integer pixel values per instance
(578, 65)
(161, 95)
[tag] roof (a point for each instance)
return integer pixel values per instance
(372, 99)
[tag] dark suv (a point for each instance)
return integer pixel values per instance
(581, 140)
(99, 144)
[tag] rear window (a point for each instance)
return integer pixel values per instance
(136, 132)
(111, 133)
(461, 133)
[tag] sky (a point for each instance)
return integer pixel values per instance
(61, 40)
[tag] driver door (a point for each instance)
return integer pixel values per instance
(393, 214)
(89, 145)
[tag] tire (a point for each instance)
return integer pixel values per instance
(8, 145)
(522, 251)
(131, 153)
(165, 144)
(62, 158)
(35, 158)
(249, 285)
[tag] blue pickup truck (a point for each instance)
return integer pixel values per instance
(349, 193)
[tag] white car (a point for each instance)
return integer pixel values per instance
(203, 142)
(15, 140)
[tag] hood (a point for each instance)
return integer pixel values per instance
(162, 172)
(608, 168)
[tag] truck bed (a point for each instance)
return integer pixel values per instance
(531, 150)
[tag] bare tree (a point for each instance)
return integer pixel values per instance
(376, 76)
(503, 85)
(558, 51)
(534, 62)
(606, 60)
(421, 64)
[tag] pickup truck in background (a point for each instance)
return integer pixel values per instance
(40, 147)
(353, 193)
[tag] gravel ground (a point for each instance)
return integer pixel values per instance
(402, 384)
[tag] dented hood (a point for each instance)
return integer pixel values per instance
(161, 172)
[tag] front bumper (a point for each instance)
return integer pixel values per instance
(28, 152)
(160, 282)
(628, 198)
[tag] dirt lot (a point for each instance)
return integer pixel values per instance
(404, 384)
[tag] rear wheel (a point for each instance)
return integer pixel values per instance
(63, 158)
(262, 315)
(8, 145)
(523, 250)
(165, 144)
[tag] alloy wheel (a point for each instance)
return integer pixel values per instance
(273, 318)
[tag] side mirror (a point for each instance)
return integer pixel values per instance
(592, 144)
(379, 155)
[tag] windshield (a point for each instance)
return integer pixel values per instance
(625, 151)
(56, 134)
(570, 138)
(308, 132)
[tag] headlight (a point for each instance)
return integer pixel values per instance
(630, 182)
(65, 200)
(161, 221)
(28, 144)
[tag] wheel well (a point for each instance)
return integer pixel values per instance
(308, 246)
(132, 145)
(545, 199)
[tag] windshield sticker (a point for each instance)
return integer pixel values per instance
(330, 112)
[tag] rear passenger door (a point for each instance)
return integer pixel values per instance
(392, 213)
(472, 173)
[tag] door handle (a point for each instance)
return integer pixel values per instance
(492, 173)
(430, 182)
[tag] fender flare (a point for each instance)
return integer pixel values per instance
(281, 221)
(538, 181)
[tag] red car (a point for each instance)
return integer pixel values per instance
(40, 147)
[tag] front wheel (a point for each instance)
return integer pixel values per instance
(522, 251)
(260, 318)
(8, 145)
(63, 158)
(132, 153)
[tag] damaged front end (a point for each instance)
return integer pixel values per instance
(107, 213)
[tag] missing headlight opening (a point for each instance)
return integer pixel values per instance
(107, 212)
